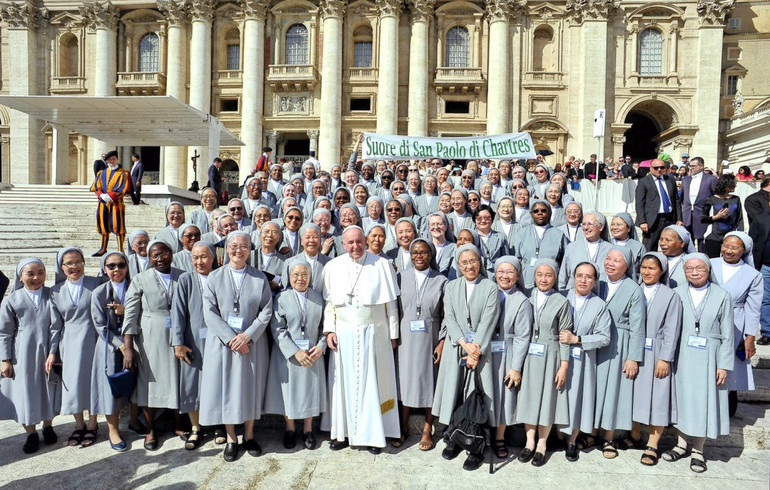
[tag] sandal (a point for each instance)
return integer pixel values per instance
(219, 437)
(697, 465)
(193, 440)
(629, 443)
(500, 450)
(76, 438)
(673, 455)
(649, 459)
(426, 443)
(89, 438)
(586, 442)
(398, 442)
(608, 450)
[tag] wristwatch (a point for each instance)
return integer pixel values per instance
(580, 341)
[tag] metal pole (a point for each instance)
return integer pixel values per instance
(598, 172)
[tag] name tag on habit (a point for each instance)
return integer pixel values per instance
(498, 346)
(536, 349)
(235, 322)
(469, 336)
(696, 342)
(203, 332)
(303, 344)
(168, 322)
(417, 326)
(576, 352)
(648, 343)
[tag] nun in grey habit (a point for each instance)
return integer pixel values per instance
(706, 356)
(654, 393)
(313, 256)
(171, 233)
(592, 326)
(422, 333)
(591, 248)
(237, 308)
(509, 345)
(26, 396)
(618, 362)
(538, 241)
(623, 233)
(542, 402)
(189, 235)
(296, 381)
(470, 296)
(74, 338)
(137, 262)
(267, 258)
(442, 241)
(675, 243)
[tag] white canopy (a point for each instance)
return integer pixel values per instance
(125, 121)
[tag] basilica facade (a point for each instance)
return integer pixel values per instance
(299, 75)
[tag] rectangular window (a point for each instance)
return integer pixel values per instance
(361, 104)
(733, 53)
(362, 54)
(233, 57)
(734, 23)
(732, 84)
(457, 107)
(228, 105)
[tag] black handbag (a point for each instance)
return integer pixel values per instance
(122, 383)
(467, 426)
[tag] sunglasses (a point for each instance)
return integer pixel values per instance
(539, 211)
(236, 208)
(112, 267)
(658, 168)
(293, 218)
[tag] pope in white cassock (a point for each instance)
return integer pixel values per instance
(361, 323)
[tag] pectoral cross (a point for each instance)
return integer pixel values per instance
(350, 297)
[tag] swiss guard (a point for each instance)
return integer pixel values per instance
(110, 186)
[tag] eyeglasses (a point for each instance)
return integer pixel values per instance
(658, 168)
(301, 275)
(393, 210)
(468, 263)
(539, 172)
(112, 267)
(697, 268)
(590, 225)
(191, 235)
(236, 248)
(473, 199)
(72, 265)
(294, 218)
(235, 208)
(483, 218)
(157, 255)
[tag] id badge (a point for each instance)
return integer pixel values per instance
(417, 326)
(498, 346)
(469, 336)
(303, 344)
(575, 352)
(168, 322)
(235, 322)
(536, 349)
(648, 343)
(203, 332)
(696, 342)
(532, 261)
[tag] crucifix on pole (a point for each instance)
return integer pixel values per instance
(194, 187)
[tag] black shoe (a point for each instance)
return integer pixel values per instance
(336, 445)
(473, 462)
(310, 440)
(231, 451)
(32, 444)
(732, 402)
(451, 451)
(763, 340)
(525, 455)
(151, 445)
(539, 459)
(571, 453)
(139, 429)
(98, 254)
(49, 436)
(374, 450)
(289, 439)
(252, 448)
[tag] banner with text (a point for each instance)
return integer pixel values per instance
(395, 147)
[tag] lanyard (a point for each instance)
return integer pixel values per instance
(236, 293)
(468, 307)
(302, 310)
(420, 292)
(166, 291)
(652, 298)
(538, 240)
(538, 313)
(588, 251)
(578, 313)
(698, 312)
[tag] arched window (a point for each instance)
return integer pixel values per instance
(362, 47)
(458, 47)
(148, 52)
(650, 52)
(297, 45)
(542, 50)
(68, 56)
(233, 50)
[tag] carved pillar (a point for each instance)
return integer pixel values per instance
(201, 14)
(498, 85)
(24, 22)
(387, 88)
(419, 59)
(253, 77)
(332, 12)
(313, 135)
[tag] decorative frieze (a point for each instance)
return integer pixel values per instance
(23, 15)
(100, 15)
(714, 12)
(579, 11)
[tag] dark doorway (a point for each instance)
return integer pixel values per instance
(297, 147)
(150, 158)
(640, 137)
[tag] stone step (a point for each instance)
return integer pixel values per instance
(761, 359)
(761, 391)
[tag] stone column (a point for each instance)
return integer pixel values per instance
(498, 84)
(712, 23)
(102, 17)
(387, 87)
(332, 12)
(313, 135)
(27, 141)
(419, 67)
(175, 162)
(253, 77)
(201, 13)
(272, 142)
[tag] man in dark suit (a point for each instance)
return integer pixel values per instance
(215, 177)
(759, 231)
(593, 170)
(137, 171)
(627, 169)
(657, 204)
(696, 188)
(100, 165)
(759, 202)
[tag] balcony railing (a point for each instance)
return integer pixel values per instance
(362, 75)
(543, 79)
(68, 85)
(653, 81)
(228, 77)
(458, 80)
(289, 78)
(749, 117)
(141, 83)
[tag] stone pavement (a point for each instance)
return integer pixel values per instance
(59, 467)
